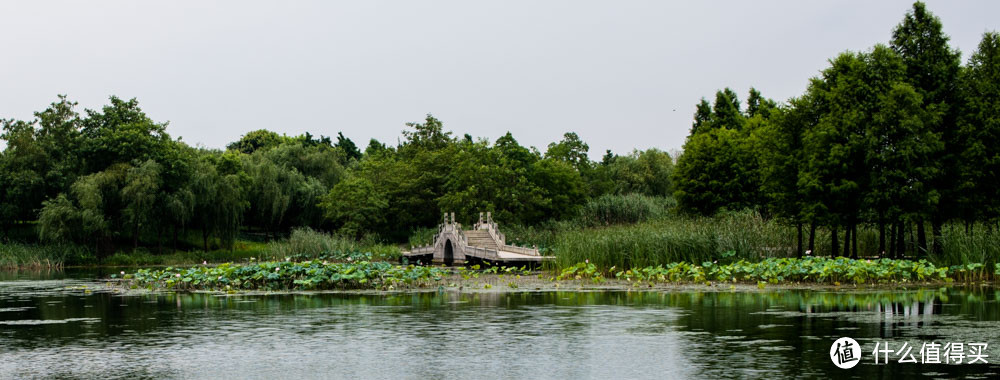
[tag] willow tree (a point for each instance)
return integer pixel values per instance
(218, 186)
(139, 194)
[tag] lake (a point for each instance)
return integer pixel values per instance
(66, 325)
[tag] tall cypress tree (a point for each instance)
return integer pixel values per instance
(932, 69)
(979, 129)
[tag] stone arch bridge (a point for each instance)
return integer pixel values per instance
(483, 243)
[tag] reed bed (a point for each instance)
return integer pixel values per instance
(613, 209)
(743, 235)
(308, 243)
(976, 244)
(19, 255)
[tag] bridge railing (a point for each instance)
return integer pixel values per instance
(521, 250)
(481, 252)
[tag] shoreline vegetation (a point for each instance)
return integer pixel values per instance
(316, 275)
(659, 236)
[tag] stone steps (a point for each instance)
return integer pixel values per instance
(480, 238)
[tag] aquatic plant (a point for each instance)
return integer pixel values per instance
(789, 270)
(286, 275)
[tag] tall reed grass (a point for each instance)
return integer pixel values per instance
(612, 209)
(978, 244)
(19, 255)
(306, 242)
(727, 237)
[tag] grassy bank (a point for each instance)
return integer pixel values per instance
(319, 275)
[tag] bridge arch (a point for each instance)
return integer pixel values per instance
(449, 253)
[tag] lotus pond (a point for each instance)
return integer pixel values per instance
(323, 275)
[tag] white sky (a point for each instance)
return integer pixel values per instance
(622, 74)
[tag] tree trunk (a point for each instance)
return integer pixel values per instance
(175, 237)
(847, 240)
(812, 238)
(936, 246)
(204, 238)
(798, 247)
(900, 240)
(159, 239)
(892, 240)
(921, 239)
(834, 243)
(135, 237)
(854, 240)
(881, 236)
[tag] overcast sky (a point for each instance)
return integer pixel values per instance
(622, 74)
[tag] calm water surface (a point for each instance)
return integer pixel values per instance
(60, 325)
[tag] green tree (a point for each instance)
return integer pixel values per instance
(716, 170)
(347, 146)
(22, 169)
(253, 141)
(570, 150)
(932, 68)
(979, 129)
(781, 160)
(139, 194)
(644, 172)
(121, 133)
(356, 205)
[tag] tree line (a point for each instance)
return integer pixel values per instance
(899, 137)
(114, 178)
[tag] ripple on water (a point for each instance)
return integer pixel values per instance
(771, 326)
(37, 322)
(15, 309)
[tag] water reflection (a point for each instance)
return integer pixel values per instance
(65, 326)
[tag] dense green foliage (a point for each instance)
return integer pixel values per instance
(788, 270)
(113, 178)
(898, 138)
